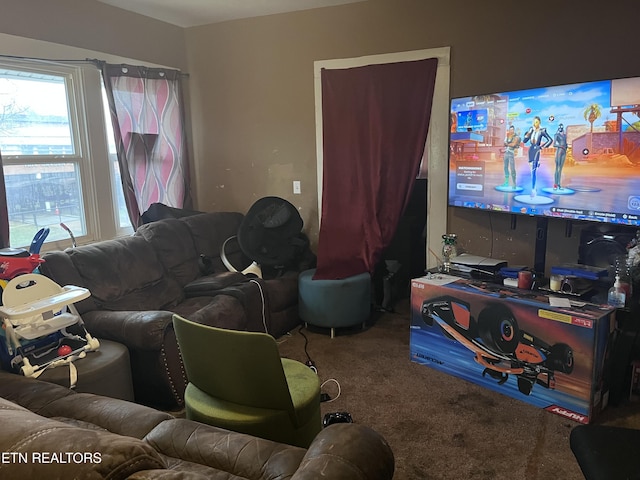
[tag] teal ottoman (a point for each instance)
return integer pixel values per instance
(334, 303)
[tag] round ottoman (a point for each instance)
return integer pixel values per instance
(334, 303)
(106, 371)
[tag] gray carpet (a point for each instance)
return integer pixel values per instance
(438, 426)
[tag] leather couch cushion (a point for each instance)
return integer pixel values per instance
(125, 274)
(209, 232)
(222, 311)
(59, 268)
(243, 456)
(46, 448)
(183, 471)
(212, 284)
(353, 442)
(282, 291)
(112, 414)
(171, 239)
(55, 401)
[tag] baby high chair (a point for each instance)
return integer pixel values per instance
(36, 313)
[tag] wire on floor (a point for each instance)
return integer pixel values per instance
(324, 397)
(327, 397)
(306, 343)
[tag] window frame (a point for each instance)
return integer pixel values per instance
(89, 137)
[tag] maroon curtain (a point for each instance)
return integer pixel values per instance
(4, 214)
(375, 121)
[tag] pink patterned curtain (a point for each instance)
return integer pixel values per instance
(147, 113)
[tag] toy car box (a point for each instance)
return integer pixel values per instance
(515, 342)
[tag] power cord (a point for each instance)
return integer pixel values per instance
(312, 366)
(264, 317)
(309, 363)
(324, 397)
(284, 338)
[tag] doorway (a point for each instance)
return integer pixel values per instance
(436, 148)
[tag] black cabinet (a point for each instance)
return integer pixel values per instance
(626, 349)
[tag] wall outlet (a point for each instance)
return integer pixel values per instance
(296, 187)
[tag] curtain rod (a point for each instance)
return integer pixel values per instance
(93, 61)
(47, 60)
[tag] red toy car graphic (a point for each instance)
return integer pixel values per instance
(498, 343)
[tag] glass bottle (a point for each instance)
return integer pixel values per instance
(616, 296)
(449, 250)
(622, 270)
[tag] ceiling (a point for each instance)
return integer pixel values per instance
(190, 13)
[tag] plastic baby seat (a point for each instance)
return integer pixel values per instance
(36, 312)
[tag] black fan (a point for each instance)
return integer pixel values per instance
(270, 235)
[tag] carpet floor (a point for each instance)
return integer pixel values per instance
(438, 426)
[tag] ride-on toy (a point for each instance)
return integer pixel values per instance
(18, 261)
(498, 343)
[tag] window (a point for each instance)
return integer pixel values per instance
(55, 152)
(122, 216)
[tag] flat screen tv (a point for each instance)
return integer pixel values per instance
(567, 151)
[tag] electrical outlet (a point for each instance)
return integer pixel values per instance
(296, 187)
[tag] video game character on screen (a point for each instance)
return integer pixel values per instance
(468, 121)
(511, 143)
(535, 136)
(560, 144)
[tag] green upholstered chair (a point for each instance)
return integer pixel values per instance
(237, 381)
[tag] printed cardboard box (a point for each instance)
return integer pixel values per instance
(515, 342)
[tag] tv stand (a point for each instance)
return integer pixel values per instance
(540, 254)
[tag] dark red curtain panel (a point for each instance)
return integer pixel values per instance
(375, 121)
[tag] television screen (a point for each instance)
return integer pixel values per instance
(567, 151)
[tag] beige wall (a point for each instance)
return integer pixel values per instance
(253, 99)
(251, 81)
(94, 26)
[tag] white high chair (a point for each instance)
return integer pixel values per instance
(34, 306)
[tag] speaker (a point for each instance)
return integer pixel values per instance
(600, 245)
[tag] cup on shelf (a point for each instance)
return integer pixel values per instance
(525, 279)
(555, 282)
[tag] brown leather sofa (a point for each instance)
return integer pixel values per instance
(171, 266)
(51, 432)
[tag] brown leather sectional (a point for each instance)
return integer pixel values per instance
(51, 432)
(172, 266)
